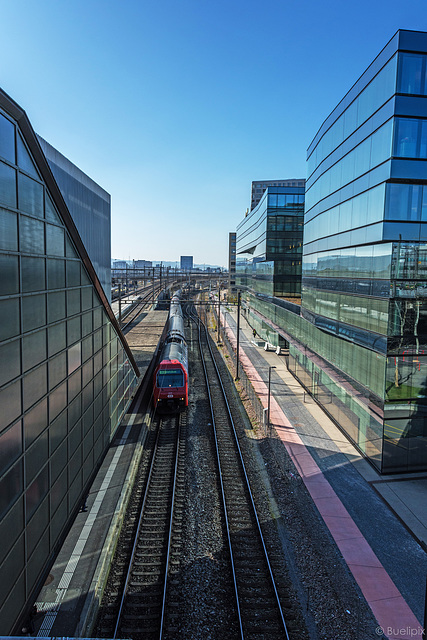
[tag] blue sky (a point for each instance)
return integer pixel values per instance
(175, 106)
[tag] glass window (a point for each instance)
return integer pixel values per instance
(410, 73)
(57, 370)
(55, 274)
(9, 314)
(30, 196)
(56, 338)
(10, 446)
(423, 139)
(10, 361)
(73, 302)
(55, 306)
(406, 137)
(35, 421)
(9, 274)
(54, 240)
(73, 273)
(31, 235)
(33, 349)
(7, 185)
(10, 488)
(8, 230)
(7, 139)
(57, 401)
(36, 492)
(74, 357)
(34, 386)
(33, 274)
(33, 312)
(24, 159)
(73, 330)
(51, 211)
(10, 402)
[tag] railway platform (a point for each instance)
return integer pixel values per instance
(67, 604)
(379, 523)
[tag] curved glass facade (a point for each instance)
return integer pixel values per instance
(269, 244)
(65, 376)
(364, 264)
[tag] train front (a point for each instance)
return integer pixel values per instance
(171, 385)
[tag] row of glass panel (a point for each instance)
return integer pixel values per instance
(371, 152)
(372, 261)
(364, 365)
(375, 94)
(411, 80)
(396, 261)
(366, 208)
(370, 314)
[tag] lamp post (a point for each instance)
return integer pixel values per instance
(219, 310)
(269, 395)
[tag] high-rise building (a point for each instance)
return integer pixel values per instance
(67, 375)
(186, 263)
(365, 259)
(269, 244)
(358, 341)
(232, 263)
(258, 187)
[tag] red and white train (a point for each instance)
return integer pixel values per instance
(170, 393)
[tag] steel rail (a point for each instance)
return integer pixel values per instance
(270, 571)
(140, 521)
(230, 547)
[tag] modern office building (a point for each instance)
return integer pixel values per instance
(269, 244)
(66, 375)
(365, 259)
(186, 263)
(359, 340)
(232, 263)
(258, 187)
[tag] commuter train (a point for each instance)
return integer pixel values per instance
(170, 393)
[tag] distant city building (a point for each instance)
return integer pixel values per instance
(141, 264)
(186, 263)
(232, 263)
(259, 187)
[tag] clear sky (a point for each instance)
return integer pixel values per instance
(175, 106)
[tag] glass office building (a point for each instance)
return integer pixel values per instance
(269, 244)
(364, 288)
(66, 374)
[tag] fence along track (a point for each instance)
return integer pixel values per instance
(257, 602)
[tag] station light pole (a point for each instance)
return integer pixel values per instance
(219, 310)
(238, 335)
(269, 396)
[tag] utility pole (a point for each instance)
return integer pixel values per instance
(238, 335)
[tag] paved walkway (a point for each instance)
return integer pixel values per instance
(385, 559)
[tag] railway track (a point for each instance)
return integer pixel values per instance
(134, 604)
(258, 607)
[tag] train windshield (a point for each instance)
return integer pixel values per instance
(170, 378)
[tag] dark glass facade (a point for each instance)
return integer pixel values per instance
(90, 207)
(269, 244)
(66, 377)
